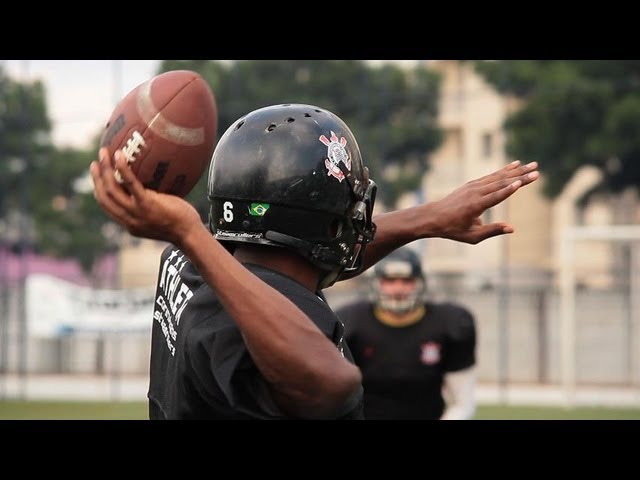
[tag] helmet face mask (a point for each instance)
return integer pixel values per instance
(403, 264)
(292, 176)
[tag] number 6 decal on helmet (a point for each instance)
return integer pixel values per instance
(227, 214)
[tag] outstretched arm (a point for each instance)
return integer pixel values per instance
(307, 374)
(456, 216)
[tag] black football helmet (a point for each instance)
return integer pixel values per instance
(401, 263)
(292, 176)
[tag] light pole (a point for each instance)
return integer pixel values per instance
(4, 310)
(23, 237)
(115, 281)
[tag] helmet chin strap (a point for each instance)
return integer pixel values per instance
(319, 255)
(329, 279)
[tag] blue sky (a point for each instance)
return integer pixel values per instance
(82, 93)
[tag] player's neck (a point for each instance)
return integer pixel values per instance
(280, 260)
(394, 319)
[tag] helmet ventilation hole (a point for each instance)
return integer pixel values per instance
(307, 115)
(239, 125)
(271, 127)
(291, 119)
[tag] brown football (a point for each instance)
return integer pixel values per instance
(167, 130)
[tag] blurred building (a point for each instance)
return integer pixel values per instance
(139, 262)
(471, 114)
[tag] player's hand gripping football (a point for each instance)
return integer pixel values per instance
(457, 216)
(143, 212)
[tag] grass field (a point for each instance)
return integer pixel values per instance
(17, 410)
(498, 412)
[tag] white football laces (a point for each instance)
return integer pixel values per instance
(130, 150)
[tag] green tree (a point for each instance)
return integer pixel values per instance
(392, 111)
(42, 182)
(574, 113)
(24, 147)
(69, 222)
(24, 129)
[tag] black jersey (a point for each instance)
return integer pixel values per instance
(403, 367)
(200, 366)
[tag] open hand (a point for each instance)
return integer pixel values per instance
(142, 211)
(457, 215)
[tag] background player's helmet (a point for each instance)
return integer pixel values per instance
(401, 263)
(292, 176)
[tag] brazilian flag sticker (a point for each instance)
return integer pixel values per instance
(258, 209)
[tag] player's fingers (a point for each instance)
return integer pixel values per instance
(491, 199)
(490, 230)
(127, 177)
(530, 177)
(96, 177)
(94, 170)
(491, 177)
(110, 186)
(511, 171)
(525, 179)
(104, 199)
(523, 170)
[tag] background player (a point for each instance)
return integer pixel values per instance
(417, 357)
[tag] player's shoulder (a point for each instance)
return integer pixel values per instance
(357, 317)
(172, 261)
(458, 320)
(169, 250)
(355, 309)
(453, 309)
(285, 284)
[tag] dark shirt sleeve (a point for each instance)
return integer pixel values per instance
(461, 339)
(351, 316)
(231, 378)
(224, 374)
